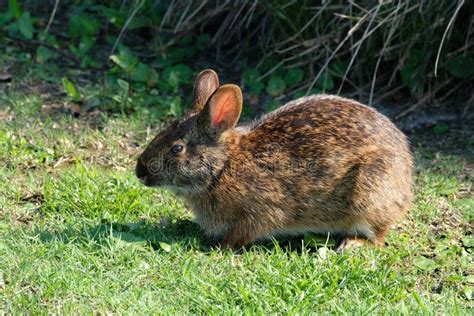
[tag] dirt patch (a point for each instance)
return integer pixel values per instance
(33, 197)
(449, 220)
(54, 110)
(6, 116)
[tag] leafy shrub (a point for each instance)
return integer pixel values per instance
(376, 48)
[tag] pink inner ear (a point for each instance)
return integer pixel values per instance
(223, 109)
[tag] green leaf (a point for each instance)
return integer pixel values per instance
(175, 106)
(118, 17)
(87, 61)
(49, 38)
(164, 246)
(83, 25)
(114, 16)
(315, 91)
(70, 89)
(251, 78)
(119, 61)
(14, 9)
(299, 94)
(272, 105)
(339, 68)
(177, 54)
(124, 85)
(461, 67)
(125, 59)
(325, 82)
(294, 76)
(177, 75)
(186, 40)
(425, 264)
(257, 88)
(202, 41)
(85, 44)
(248, 111)
(412, 72)
(4, 18)
(25, 25)
(43, 54)
(276, 86)
(143, 73)
(440, 129)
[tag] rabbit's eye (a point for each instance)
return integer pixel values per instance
(176, 149)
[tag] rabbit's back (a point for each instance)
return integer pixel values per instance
(334, 120)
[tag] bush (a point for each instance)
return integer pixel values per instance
(377, 49)
(374, 47)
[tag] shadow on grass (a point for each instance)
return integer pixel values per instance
(183, 232)
(142, 233)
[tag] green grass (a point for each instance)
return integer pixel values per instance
(78, 233)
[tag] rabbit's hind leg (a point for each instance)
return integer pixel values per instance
(351, 242)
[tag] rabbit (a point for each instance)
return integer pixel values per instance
(321, 163)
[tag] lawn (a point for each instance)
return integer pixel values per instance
(85, 85)
(80, 234)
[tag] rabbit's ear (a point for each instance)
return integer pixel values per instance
(223, 109)
(206, 83)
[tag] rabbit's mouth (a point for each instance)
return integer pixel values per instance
(147, 175)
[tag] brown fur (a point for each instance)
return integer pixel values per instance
(320, 163)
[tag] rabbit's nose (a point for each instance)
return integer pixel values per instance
(141, 171)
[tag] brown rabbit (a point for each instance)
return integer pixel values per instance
(320, 164)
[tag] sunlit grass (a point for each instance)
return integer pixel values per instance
(80, 234)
